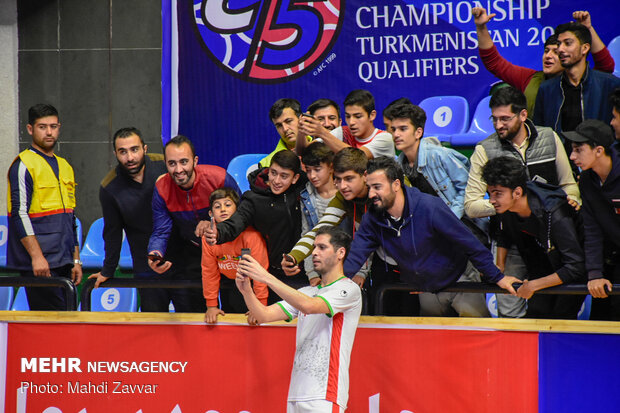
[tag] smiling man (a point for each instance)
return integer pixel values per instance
(580, 93)
(180, 208)
(125, 195)
(431, 246)
(272, 207)
(327, 112)
(525, 79)
(42, 238)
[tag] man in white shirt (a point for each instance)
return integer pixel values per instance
(328, 316)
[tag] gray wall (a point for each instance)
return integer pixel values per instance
(8, 86)
(98, 62)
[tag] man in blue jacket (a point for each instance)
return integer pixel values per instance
(599, 160)
(430, 244)
(580, 93)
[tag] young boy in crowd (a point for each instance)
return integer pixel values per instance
(319, 191)
(599, 183)
(547, 232)
(219, 262)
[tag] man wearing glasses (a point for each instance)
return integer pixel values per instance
(539, 148)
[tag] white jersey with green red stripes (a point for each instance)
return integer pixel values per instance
(324, 343)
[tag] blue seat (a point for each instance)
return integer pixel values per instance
(93, 253)
(114, 299)
(586, 307)
(480, 128)
(445, 115)
(6, 298)
(491, 300)
(4, 237)
(78, 224)
(614, 50)
(21, 301)
(240, 166)
(125, 261)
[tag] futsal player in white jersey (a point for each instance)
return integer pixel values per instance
(328, 316)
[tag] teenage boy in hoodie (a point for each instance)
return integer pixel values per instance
(547, 232)
(599, 184)
(431, 245)
(272, 206)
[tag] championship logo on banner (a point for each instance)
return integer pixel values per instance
(272, 41)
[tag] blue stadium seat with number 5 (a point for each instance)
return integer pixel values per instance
(114, 299)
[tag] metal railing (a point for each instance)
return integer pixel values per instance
(479, 287)
(64, 283)
(89, 285)
(70, 290)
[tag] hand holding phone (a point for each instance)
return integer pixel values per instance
(154, 257)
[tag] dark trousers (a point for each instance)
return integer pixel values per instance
(48, 298)
(561, 307)
(185, 266)
(608, 309)
(395, 303)
(230, 298)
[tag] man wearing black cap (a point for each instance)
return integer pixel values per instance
(600, 190)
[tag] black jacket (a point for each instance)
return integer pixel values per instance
(601, 215)
(276, 217)
(550, 240)
(126, 205)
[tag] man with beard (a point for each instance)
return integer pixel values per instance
(284, 114)
(539, 148)
(432, 247)
(180, 213)
(580, 93)
(327, 315)
(125, 195)
(327, 112)
(42, 238)
(523, 78)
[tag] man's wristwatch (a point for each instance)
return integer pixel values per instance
(77, 262)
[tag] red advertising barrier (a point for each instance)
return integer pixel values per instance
(92, 368)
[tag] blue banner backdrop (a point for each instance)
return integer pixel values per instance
(226, 62)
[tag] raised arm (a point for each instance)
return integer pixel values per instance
(603, 60)
(481, 18)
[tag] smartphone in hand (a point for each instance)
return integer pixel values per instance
(160, 260)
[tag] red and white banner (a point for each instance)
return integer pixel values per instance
(92, 368)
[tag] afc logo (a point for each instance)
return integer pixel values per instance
(268, 41)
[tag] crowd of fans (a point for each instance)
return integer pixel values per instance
(418, 211)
